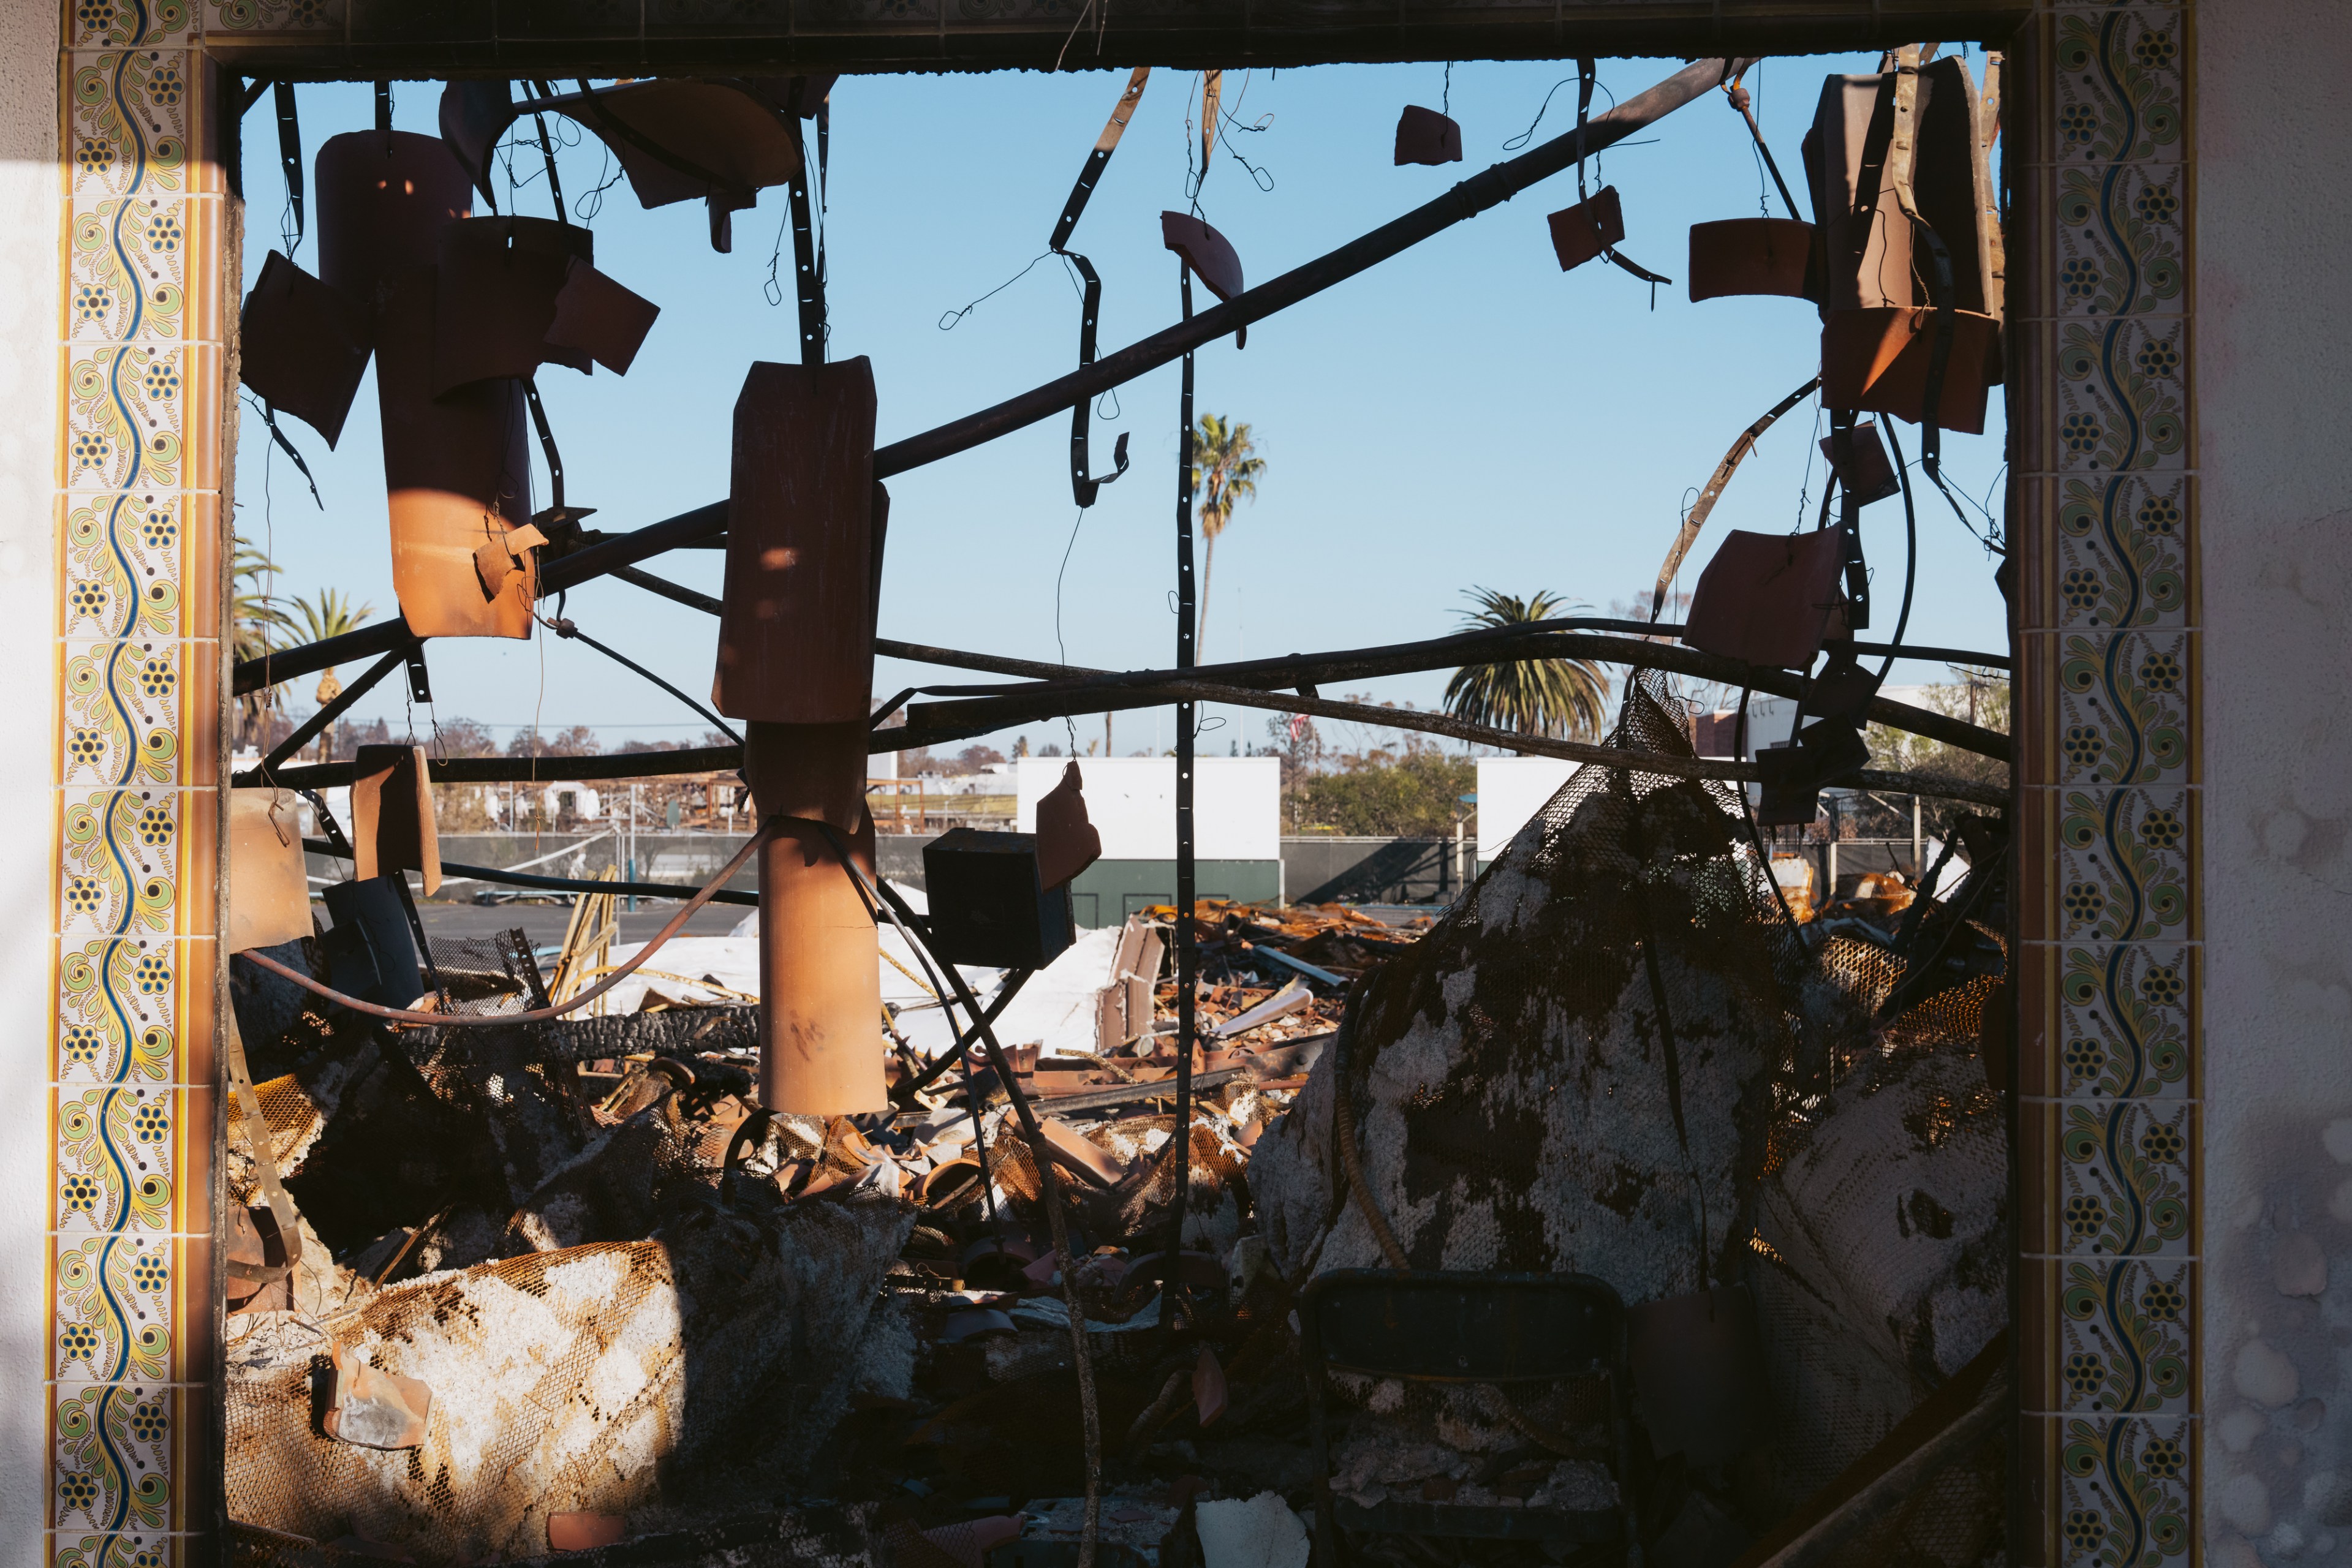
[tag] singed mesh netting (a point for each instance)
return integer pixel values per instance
(1616, 1056)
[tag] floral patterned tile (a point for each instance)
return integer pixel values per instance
(129, 1547)
(274, 15)
(115, 1295)
(2124, 550)
(112, 1447)
(127, 711)
(2125, 860)
(2124, 1187)
(130, 114)
(2127, 1021)
(100, 24)
(2126, 1492)
(119, 1000)
(114, 1159)
(129, 408)
(129, 266)
(2124, 712)
(2126, 1346)
(2119, 83)
(120, 861)
(140, 564)
(2122, 394)
(2121, 232)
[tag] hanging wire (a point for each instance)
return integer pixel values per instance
(950, 321)
(1524, 137)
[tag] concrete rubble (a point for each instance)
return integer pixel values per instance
(647, 1311)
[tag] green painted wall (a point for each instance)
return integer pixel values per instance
(1108, 892)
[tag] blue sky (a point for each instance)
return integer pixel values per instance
(1463, 415)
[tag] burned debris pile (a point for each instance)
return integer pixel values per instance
(569, 1281)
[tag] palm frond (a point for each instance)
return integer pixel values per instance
(1563, 698)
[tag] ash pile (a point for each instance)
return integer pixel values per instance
(568, 1284)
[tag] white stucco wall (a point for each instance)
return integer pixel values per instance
(1131, 801)
(2274, 360)
(28, 445)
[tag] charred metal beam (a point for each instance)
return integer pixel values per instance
(787, 37)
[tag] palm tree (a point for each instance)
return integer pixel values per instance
(1225, 471)
(1566, 699)
(256, 619)
(332, 616)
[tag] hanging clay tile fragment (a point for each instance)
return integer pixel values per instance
(1208, 253)
(682, 140)
(1583, 231)
(1766, 598)
(1425, 135)
(1878, 358)
(457, 469)
(383, 198)
(1067, 842)
(1866, 473)
(302, 346)
(1750, 255)
(797, 632)
(494, 298)
(393, 828)
(503, 558)
(597, 321)
(270, 898)
(821, 1028)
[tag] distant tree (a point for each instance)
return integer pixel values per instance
(1560, 697)
(1415, 795)
(973, 759)
(1225, 472)
(577, 741)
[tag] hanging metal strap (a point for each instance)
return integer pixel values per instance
(265, 1164)
(289, 155)
(1083, 485)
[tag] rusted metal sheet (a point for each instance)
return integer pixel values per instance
(597, 321)
(392, 826)
(821, 1049)
(1066, 840)
(383, 198)
(494, 296)
(457, 469)
(303, 346)
(269, 897)
(1766, 598)
(1750, 255)
(1585, 230)
(1425, 135)
(796, 634)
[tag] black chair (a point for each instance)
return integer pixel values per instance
(1434, 1326)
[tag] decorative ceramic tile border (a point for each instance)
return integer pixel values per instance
(2108, 770)
(141, 447)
